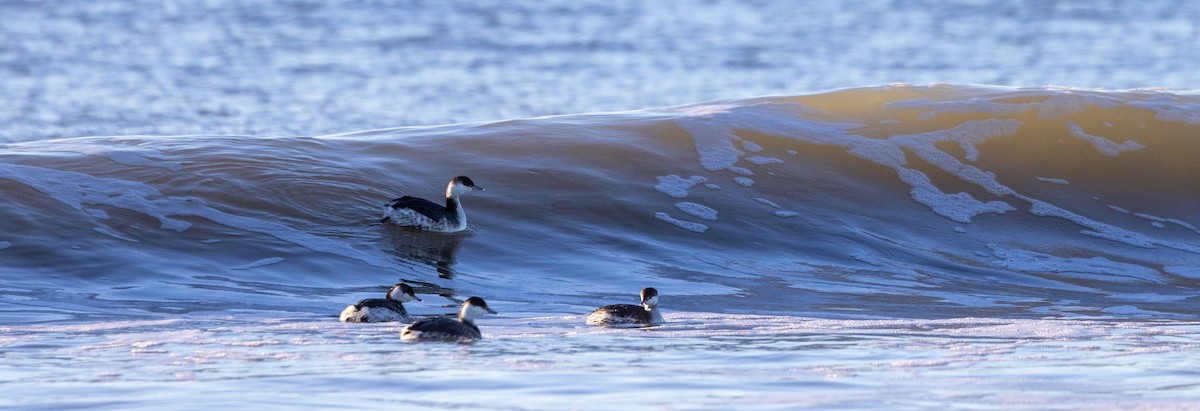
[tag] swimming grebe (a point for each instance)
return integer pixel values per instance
(617, 314)
(374, 310)
(423, 214)
(446, 329)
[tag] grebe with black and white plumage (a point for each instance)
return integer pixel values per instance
(374, 310)
(448, 329)
(423, 214)
(622, 314)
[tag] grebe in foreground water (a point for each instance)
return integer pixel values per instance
(618, 314)
(423, 214)
(446, 329)
(374, 310)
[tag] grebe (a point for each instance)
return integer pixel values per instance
(446, 329)
(616, 314)
(374, 310)
(423, 214)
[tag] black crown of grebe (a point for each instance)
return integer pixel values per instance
(447, 329)
(389, 308)
(617, 314)
(423, 214)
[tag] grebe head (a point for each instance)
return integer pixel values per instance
(473, 308)
(402, 293)
(461, 185)
(649, 298)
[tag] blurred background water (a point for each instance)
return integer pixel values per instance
(316, 67)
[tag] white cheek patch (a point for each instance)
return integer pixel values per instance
(400, 295)
(458, 189)
(652, 301)
(475, 312)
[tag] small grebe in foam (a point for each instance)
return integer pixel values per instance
(374, 310)
(447, 329)
(617, 314)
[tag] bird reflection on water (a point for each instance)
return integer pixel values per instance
(425, 248)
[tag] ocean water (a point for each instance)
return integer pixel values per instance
(837, 211)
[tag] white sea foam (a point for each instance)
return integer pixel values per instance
(759, 160)
(1058, 181)
(1170, 109)
(676, 186)
(1067, 102)
(1105, 231)
(1057, 105)
(741, 171)
(686, 225)
(879, 152)
(534, 350)
(1160, 222)
(712, 129)
(1091, 268)
(1182, 223)
(974, 105)
(780, 213)
(751, 146)
(697, 210)
(5, 245)
(766, 202)
(960, 207)
(1103, 145)
(967, 135)
(743, 181)
(714, 142)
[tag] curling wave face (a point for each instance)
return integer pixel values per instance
(869, 201)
